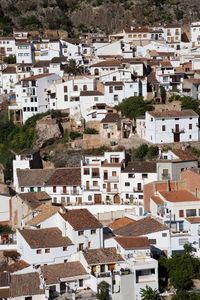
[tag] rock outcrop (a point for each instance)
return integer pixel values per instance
(48, 131)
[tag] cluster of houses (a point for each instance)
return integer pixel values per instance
(64, 248)
(108, 218)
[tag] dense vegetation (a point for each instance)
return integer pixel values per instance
(134, 107)
(82, 15)
(186, 102)
(145, 151)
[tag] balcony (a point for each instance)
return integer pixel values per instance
(112, 191)
(92, 188)
(145, 278)
(71, 192)
(112, 178)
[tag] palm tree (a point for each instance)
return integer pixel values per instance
(149, 294)
(72, 68)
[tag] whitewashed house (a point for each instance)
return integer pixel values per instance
(195, 33)
(24, 51)
(44, 246)
(171, 126)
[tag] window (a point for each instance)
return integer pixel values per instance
(81, 232)
(65, 98)
(76, 88)
(163, 128)
(54, 189)
(54, 199)
(64, 189)
(152, 241)
(115, 186)
(80, 247)
(164, 234)
(114, 78)
(127, 183)
(140, 196)
(104, 186)
(144, 175)
(65, 89)
(39, 251)
(28, 298)
(64, 248)
(47, 250)
(93, 231)
(151, 119)
(86, 171)
(95, 183)
(110, 89)
(131, 175)
(105, 126)
(32, 108)
(118, 88)
(39, 189)
(190, 136)
(190, 126)
(85, 87)
(96, 98)
(114, 173)
(22, 189)
(191, 213)
(181, 213)
(176, 118)
(127, 196)
(80, 282)
(115, 97)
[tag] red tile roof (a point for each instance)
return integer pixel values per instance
(166, 64)
(133, 242)
(193, 220)
(120, 223)
(173, 114)
(178, 196)
(107, 63)
(157, 200)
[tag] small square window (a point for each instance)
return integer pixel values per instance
(39, 251)
(47, 250)
(64, 248)
(93, 231)
(81, 232)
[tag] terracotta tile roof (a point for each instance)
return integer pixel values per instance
(173, 114)
(72, 41)
(59, 59)
(25, 284)
(65, 176)
(157, 200)
(43, 215)
(178, 196)
(111, 118)
(107, 63)
(33, 177)
(166, 53)
(45, 238)
(35, 77)
(133, 242)
(102, 255)
(4, 279)
(34, 199)
(53, 273)
(41, 64)
(81, 219)
(153, 53)
(166, 64)
(91, 93)
(9, 70)
(4, 293)
(184, 154)
(49, 177)
(141, 227)
(140, 167)
(193, 220)
(120, 223)
(17, 266)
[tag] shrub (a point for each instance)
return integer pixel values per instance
(74, 135)
(90, 131)
(140, 152)
(153, 151)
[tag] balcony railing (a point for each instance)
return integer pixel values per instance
(145, 278)
(112, 191)
(92, 187)
(112, 178)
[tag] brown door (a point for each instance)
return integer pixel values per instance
(108, 187)
(105, 175)
(139, 186)
(177, 127)
(64, 190)
(97, 198)
(176, 137)
(87, 185)
(117, 199)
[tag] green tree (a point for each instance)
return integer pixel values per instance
(149, 294)
(11, 59)
(163, 94)
(188, 249)
(134, 107)
(186, 102)
(153, 151)
(72, 68)
(140, 152)
(183, 295)
(90, 131)
(182, 269)
(103, 291)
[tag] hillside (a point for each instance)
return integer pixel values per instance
(83, 15)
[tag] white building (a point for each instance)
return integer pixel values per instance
(172, 35)
(195, 33)
(31, 95)
(171, 126)
(23, 52)
(44, 246)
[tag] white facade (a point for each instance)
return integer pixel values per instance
(195, 33)
(165, 129)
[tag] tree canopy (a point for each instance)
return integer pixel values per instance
(149, 294)
(186, 102)
(134, 107)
